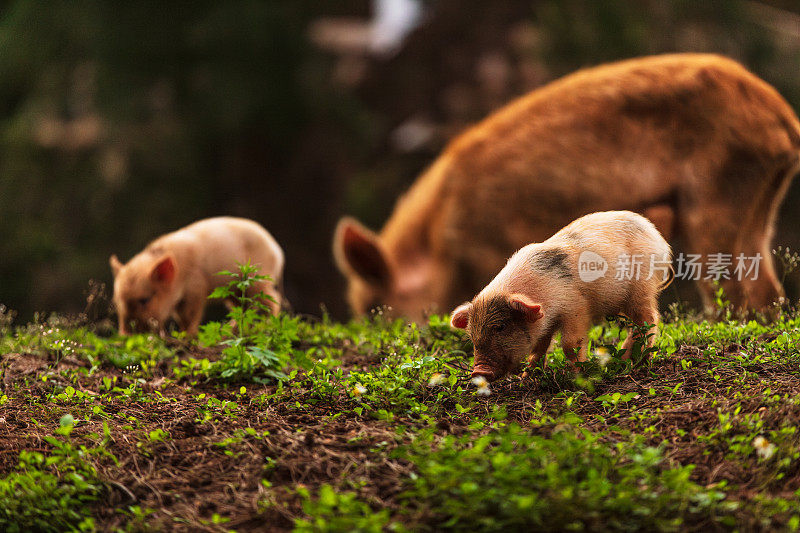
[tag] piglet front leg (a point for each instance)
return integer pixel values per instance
(539, 353)
(190, 311)
(573, 338)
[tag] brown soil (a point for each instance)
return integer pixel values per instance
(187, 478)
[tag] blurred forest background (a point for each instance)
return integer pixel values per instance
(120, 121)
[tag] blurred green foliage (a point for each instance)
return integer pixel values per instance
(121, 121)
(118, 123)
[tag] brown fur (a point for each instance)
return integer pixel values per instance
(694, 141)
(174, 274)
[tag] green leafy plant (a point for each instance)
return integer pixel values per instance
(641, 350)
(52, 491)
(512, 480)
(256, 345)
(723, 306)
(339, 511)
(615, 398)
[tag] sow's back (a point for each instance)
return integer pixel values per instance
(695, 142)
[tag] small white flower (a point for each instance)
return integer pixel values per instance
(482, 384)
(480, 381)
(764, 448)
(359, 389)
(602, 355)
(436, 379)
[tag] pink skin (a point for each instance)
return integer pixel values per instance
(145, 302)
(174, 274)
(542, 289)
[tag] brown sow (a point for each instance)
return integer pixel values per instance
(696, 143)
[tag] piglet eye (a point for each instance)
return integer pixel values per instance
(500, 327)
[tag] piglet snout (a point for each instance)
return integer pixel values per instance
(482, 371)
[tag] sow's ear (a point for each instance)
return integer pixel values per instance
(358, 250)
(523, 304)
(459, 318)
(116, 265)
(164, 271)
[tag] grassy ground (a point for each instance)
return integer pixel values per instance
(294, 423)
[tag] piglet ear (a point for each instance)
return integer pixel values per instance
(164, 271)
(523, 304)
(116, 265)
(459, 318)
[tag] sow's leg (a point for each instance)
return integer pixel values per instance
(737, 219)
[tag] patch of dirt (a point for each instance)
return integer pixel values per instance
(201, 468)
(206, 465)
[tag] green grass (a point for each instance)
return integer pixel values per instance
(572, 479)
(374, 425)
(51, 491)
